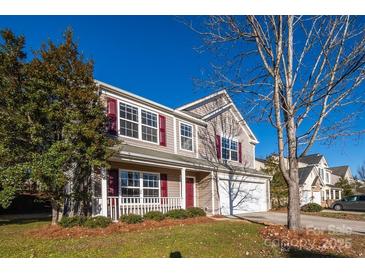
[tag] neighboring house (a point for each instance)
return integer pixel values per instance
(317, 180)
(199, 155)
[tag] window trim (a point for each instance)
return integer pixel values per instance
(157, 126)
(237, 150)
(192, 136)
(140, 182)
(139, 108)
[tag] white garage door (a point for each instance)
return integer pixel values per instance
(242, 197)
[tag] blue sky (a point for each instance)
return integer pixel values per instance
(154, 56)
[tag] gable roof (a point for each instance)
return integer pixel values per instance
(339, 170)
(118, 91)
(311, 159)
(304, 173)
(228, 106)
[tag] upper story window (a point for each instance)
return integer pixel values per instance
(229, 149)
(149, 126)
(138, 123)
(186, 137)
(128, 120)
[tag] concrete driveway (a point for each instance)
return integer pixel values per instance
(309, 222)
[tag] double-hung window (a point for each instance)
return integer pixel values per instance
(139, 184)
(149, 126)
(128, 120)
(229, 149)
(186, 137)
(130, 184)
(150, 185)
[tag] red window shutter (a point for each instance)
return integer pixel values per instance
(113, 182)
(218, 146)
(240, 152)
(112, 116)
(163, 185)
(162, 130)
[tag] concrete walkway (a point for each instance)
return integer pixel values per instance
(309, 222)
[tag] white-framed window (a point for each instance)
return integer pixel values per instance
(229, 149)
(128, 116)
(130, 184)
(186, 137)
(149, 126)
(139, 184)
(151, 184)
(138, 123)
(327, 177)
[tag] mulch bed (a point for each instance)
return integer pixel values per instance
(53, 232)
(310, 241)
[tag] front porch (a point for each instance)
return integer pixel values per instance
(128, 188)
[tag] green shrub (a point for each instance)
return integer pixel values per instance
(177, 214)
(131, 219)
(311, 207)
(154, 215)
(195, 212)
(99, 221)
(72, 221)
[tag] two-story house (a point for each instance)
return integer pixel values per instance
(199, 155)
(317, 181)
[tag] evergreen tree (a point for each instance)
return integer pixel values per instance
(346, 186)
(278, 186)
(15, 143)
(52, 129)
(72, 123)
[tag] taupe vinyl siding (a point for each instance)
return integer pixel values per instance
(219, 125)
(137, 142)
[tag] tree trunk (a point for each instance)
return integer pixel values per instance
(293, 205)
(55, 212)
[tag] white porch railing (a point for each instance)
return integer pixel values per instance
(140, 206)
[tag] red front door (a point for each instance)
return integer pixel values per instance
(189, 192)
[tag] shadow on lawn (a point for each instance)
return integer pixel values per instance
(23, 221)
(175, 254)
(300, 253)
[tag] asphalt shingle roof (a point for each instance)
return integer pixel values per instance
(339, 170)
(311, 159)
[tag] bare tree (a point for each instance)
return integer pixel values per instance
(302, 74)
(361, 171)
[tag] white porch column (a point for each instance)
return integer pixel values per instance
(324, 195)
(340, 194)
(104, 193)
(183, 188)
(333, 194)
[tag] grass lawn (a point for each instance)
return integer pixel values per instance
(216, 239)
(213, 239)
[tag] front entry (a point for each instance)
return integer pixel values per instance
(189, 192)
